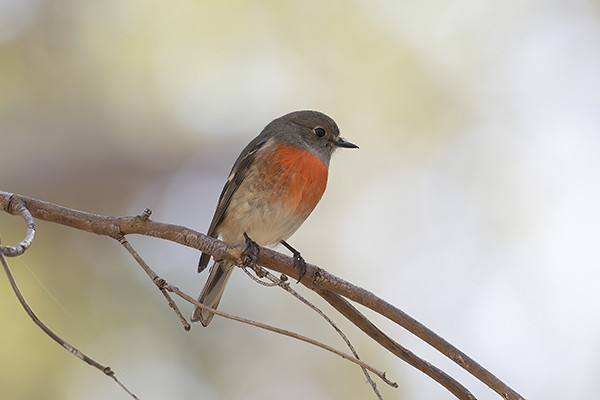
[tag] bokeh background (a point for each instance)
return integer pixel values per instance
(473, 203)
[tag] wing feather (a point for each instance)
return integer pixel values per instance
(236, 177)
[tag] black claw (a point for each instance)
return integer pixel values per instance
(298, 260)
(301, 264)
(250, 254)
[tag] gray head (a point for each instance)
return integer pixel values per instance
(310, 130)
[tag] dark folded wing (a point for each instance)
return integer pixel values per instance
(235, 179)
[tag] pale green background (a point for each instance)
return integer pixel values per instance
(473, 203)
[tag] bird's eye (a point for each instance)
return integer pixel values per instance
(320, 132)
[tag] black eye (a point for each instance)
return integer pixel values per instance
(320, 132)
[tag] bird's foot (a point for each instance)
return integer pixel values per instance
(299, 262)
(301, 265)
(250, 253)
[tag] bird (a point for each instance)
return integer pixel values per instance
(274, 185)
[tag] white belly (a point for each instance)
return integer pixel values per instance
(266, 223)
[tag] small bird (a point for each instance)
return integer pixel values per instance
(274, 185)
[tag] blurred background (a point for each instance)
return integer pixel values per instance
(472, 204)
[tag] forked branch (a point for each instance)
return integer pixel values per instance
(330, 287)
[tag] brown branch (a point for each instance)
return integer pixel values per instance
(318, 279)
(284, 332)
(165, 288)
(157, 281)
(315, 278)
(358, 319)
(285, 285)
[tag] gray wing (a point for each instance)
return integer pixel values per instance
(236, 177)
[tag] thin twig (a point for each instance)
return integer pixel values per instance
(368, 299)
(285, 285)
(105, 370)
(257, 279)
(157, 281)
(380, 374)
(358, 319)
(318, 279)
(165, 287)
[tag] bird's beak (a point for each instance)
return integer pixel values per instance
(341, 142)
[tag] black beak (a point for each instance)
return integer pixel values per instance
(341, 142)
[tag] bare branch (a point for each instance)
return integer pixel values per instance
(318, 279)
(157, 281)
(105, 370)
(280, 331)
(285, 285)
(344, 306)
(165, 287)
(315, 278)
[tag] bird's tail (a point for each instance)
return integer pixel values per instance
(212, 291)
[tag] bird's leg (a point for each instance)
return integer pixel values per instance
(298, 260)
(250, 253)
